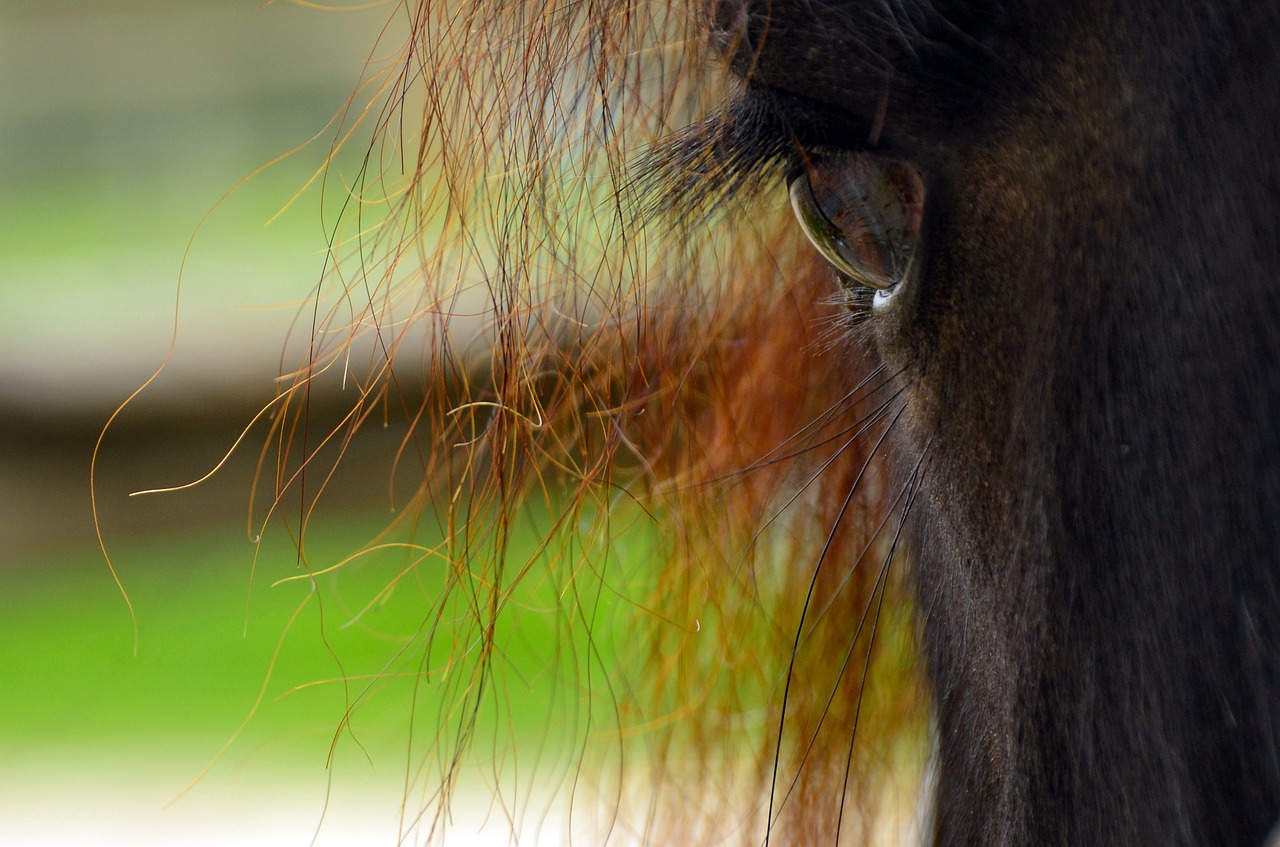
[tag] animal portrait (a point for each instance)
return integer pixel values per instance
(891, 386)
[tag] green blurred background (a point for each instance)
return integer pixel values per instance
(124, 122)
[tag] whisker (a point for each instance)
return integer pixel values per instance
(870, 420)
(912, 480)
(819, 421)
(813, 445)
(782, 718)
(912, 486)
(907, 494)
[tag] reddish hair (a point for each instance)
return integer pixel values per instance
(506, 289)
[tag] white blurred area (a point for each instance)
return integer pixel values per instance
(140, 809)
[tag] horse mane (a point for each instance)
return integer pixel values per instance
(515, 284)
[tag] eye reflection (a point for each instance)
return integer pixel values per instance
(863, 214)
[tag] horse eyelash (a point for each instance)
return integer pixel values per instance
(734, 154)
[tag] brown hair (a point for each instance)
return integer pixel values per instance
(555, 336)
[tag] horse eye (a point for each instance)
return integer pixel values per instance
(863, 214)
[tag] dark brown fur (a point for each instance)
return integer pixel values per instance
(1090, 364)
